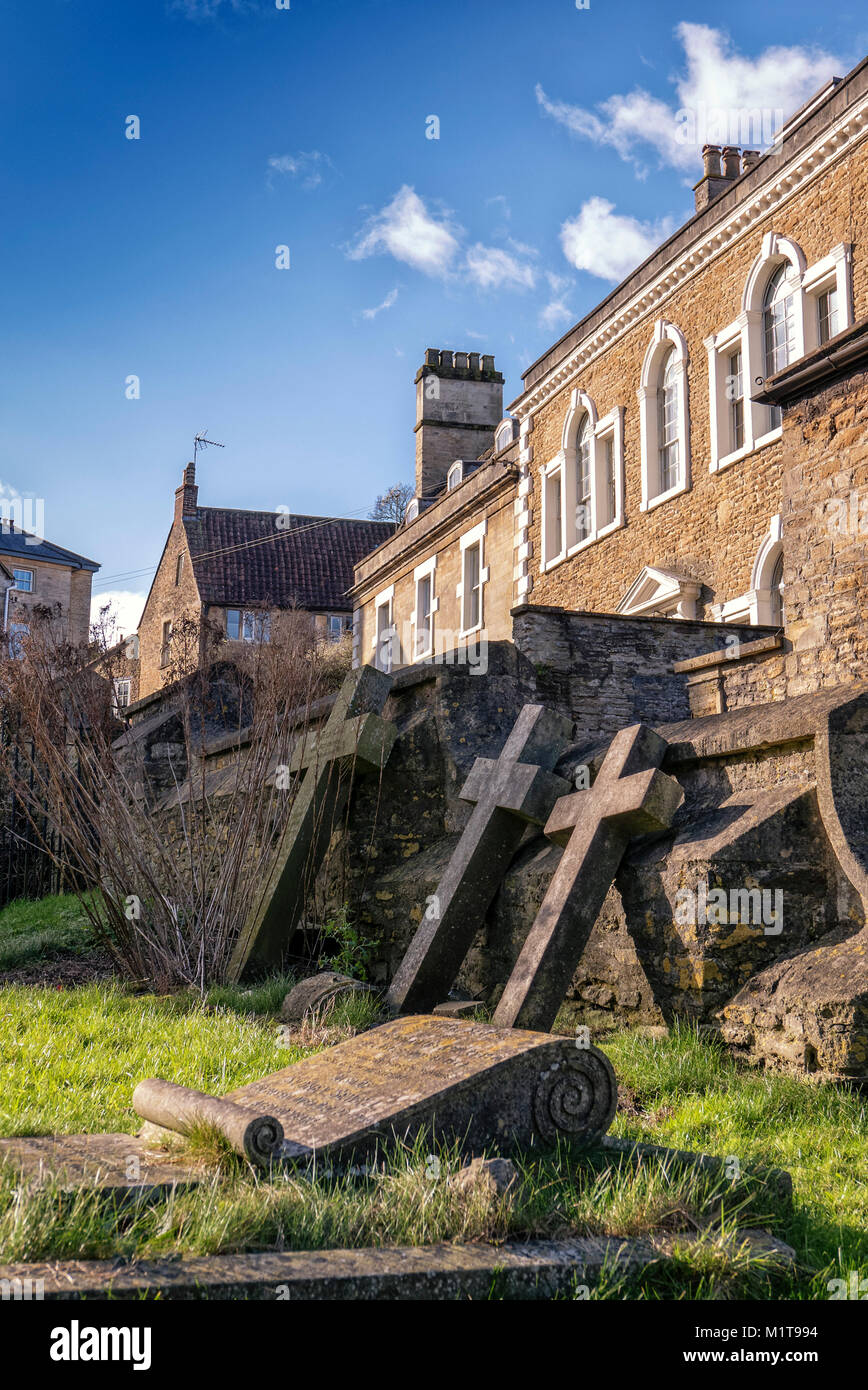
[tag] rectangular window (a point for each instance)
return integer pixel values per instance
(827, 315)
(336, 626)
(735, 396)
(179, 568)
(166, 643)
(233, 624)
(609, 501)
(383, 653)
(256, 627)
(122, 694)
(472, 593)
(423, 616)
(24, 580)
(554, 542)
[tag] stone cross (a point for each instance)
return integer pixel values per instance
(515, 790)
(630, 796)
(354, 739)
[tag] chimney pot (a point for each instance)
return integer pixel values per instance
(748, 159)
(731, 162)
(711, 161)
(187, 495)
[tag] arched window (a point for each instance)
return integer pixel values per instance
(663, 415)
(584, 466)
(412, 511)
(779, 328)
(455, 475)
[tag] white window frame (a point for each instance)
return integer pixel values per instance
(384, 599)
(776, 250)
(412, 510)
(455, 475)
(476, 536)
(117, 683)
(666, 337)
(19, 588)
(833, 272)
(427, 570)
(552, 477)
(558, 479)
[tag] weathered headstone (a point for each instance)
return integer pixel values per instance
(354, 739)
(630, 796)
(515, 790)
(459, 1082)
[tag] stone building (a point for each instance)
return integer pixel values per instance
(239, 569)
(45, 576)
(649, 473)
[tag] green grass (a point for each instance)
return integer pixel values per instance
(32, 931)
(71, 1058)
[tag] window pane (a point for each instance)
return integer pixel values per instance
(667, 425)
(423, 615)
(23, 580)
(827, 310)
(471, 586)
(233, 624)
(610, 480)
(735, 394)
(583, 482)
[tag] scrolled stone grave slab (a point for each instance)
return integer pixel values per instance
(314, 993)
(481, 1086)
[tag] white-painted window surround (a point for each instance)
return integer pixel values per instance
(474, 576)
(422, 617)
(582, 487)
(664, 418)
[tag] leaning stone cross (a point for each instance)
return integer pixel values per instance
(515, 790)
(354, 739)
(630, 796)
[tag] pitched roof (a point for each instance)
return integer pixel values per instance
(15, 542)
(264, 558)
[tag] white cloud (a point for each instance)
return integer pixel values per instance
(490, 267)
(555, 314)
(608, 244)
(723, 97)
(406, 230)
(308, 166)
(386, 304)
(124, 606)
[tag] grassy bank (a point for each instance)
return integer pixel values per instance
(71, 1057)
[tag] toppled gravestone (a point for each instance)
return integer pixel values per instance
(309, 996)
(466, 1083)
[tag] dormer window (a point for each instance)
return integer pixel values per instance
(412, 511)
(455, 475)
(504, 434)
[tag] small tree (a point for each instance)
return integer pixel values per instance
(392, 505)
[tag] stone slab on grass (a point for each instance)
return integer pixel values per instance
(532, 1270)
(117, 1164)
(472, 1083)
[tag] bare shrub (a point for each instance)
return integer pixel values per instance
(168, 869)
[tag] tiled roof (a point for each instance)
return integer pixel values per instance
(14, 542)
(246, 558)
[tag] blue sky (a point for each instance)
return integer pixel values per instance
(560, 163)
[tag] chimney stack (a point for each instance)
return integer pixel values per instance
(459, 404)
(187, 495)
(715, 180)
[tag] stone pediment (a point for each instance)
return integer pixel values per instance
(662, 592)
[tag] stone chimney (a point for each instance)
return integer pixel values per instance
(459, 404)
(716, 180)
(748, 159)
(187, 495)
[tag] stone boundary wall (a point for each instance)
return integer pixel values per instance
(606, 670)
